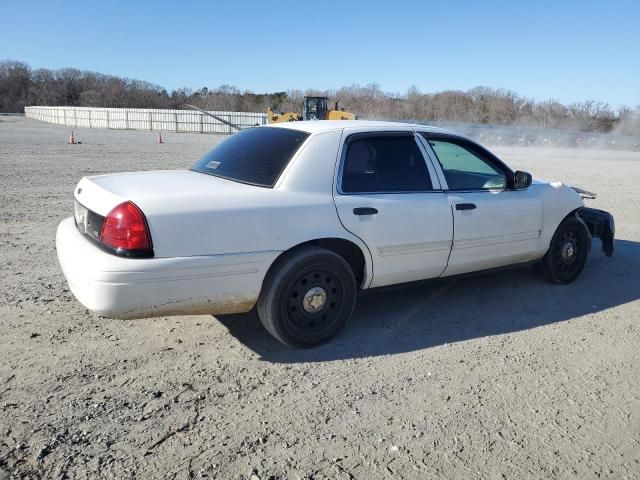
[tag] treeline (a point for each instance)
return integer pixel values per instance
(20, 86)
(479, 105)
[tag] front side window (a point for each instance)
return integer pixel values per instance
(255, 155)
(384, 163)
(466, 170)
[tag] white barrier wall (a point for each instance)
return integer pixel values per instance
(144, 119)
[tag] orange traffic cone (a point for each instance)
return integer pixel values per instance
(72, 141)
(160, 138)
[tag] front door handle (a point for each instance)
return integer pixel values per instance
(365, 211)
(465, 206)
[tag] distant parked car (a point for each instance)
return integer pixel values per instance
(297, 218)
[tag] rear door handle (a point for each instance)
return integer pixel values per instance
(365, 211)
(465, 206)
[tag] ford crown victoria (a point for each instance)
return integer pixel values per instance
(295, 219)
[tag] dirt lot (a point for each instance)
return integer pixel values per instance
(495, 376)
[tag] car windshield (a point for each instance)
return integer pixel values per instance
(256, 156)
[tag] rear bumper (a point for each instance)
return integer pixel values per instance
(601, 225)
(124, 288)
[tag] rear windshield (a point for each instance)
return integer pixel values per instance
(256, 155)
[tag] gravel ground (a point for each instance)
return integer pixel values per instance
(493, 376)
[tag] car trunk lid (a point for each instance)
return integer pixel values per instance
(185, 211)
(102, 193)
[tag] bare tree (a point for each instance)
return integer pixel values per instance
(20, 86)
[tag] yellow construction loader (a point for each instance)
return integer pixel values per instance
(315, 108)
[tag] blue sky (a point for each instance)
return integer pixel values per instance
(566, 50)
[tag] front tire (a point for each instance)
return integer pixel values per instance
(567, 253)
(307, 297)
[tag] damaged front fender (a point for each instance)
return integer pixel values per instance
(584, 193)
(601, 225)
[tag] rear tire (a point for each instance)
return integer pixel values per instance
(567, 253)
(307, 297)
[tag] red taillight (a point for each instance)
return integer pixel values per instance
(125, 228)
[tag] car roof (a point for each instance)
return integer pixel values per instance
(315, 126)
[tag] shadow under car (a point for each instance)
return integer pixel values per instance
(448, 310)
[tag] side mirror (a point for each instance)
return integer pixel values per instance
(522, 180)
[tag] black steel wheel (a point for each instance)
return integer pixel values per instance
(567, 253)
(307, 297)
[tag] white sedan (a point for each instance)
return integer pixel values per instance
(297, 218)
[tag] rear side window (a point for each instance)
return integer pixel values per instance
(384, 163)
(256, 156)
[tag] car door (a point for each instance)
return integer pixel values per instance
(390, 197)
(494, 224)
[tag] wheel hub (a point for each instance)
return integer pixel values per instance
(314, 300)
(568, 250)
